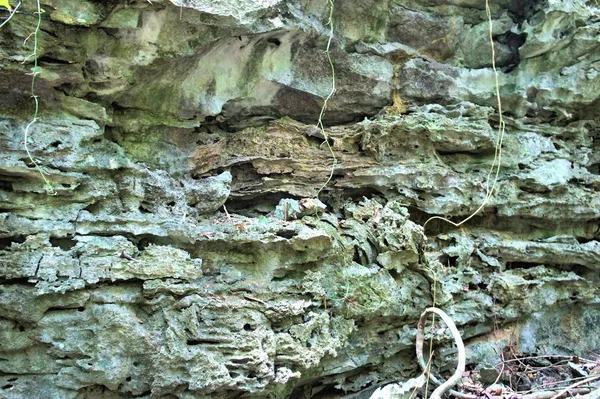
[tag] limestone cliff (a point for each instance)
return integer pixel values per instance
(180, 251)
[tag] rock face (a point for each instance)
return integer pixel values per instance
(181, 251)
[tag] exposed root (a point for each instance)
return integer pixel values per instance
(462, 356)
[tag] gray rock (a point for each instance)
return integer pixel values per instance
(158, 262)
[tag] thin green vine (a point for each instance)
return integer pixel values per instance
(34, 72)
(324, 107)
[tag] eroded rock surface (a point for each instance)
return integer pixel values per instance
(181, 251)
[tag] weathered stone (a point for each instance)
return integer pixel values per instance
(272, 74)
(184, 252)
(244, 12)
(72, 12)
(475, 48)
(122, 18)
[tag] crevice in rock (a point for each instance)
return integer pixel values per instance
(521, 265)
(511, 41)
(256, 205)
(594, 168)
(584, 240)
(327, 391)
(287, 234)
(7, 242)
(64, 309)
(50, 60)
(275, 41)
(17, 281)
(523, 10)
(6, 185)
(142, 395)
(94, 208)
(65, 243)
(204, 341)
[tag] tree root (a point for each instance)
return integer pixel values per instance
(593, 392)
(462, 356)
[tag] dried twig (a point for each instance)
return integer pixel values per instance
(535, 395)
(125, 255)
(550, 394)
(567, 389)
(501, 370)
(519, 359)
(251, 298)
(227, 213)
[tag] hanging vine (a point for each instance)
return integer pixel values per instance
(35, 70)
(494, 171)
(324, 106)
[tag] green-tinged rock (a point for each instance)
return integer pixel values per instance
(122, 18)
(245, 205)
(73, 12)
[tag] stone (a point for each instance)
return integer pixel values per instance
(244, 12)
(229, 214)
(79, 13)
